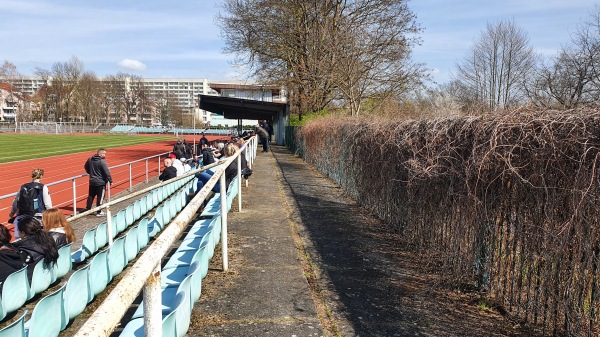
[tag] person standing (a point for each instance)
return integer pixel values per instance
(32, 199)
(97, 168)
(264, 137)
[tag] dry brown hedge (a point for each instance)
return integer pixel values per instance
(509, 202)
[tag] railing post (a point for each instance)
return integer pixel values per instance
(130, 178)
(158, 165)
(74, 196)
(239, 180)
(147, 173)
(152, 305)
(108, 193)
(223, 197)
(109, 232)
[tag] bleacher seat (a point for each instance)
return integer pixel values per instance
(48, 316)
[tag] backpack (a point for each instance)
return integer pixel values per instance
(29, 200)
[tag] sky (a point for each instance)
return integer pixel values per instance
(180, 38)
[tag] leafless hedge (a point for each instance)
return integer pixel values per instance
(509, 203)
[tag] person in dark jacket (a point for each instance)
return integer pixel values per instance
(169, 172)
(264, 137)
(57, 225)
(36, 245)
(97, 168)
(179, 149)
(10, 259)
(207, 155)
(43, 199)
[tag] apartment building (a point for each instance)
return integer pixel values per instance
(183, 91)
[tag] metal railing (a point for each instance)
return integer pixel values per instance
(145, 273)
(115, 172)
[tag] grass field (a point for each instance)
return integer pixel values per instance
(15, 147)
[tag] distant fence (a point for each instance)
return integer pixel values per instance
(506, 204)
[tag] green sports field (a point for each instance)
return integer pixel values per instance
(15, 147)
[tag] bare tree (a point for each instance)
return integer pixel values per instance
(497, 65)
(324, 50)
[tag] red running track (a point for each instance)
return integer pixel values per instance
(66, 166)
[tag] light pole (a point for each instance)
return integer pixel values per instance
(193, 119)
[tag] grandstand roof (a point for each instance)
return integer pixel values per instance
(238, 108)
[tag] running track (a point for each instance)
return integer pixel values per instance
(65, 166)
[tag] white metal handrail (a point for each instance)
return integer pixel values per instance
(145, 273)
(74, 179)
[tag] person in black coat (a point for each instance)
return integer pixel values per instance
(169, 171)
(10, 259)
(97, 168)
(36, 245)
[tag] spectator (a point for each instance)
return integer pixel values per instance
(177, 165)
(188, 149)
(231, 170)
(207, 155)
(179, 149)
(169, 171)
(32, 199)
(97, 168)
(10, 259)
(56, 224)
(36, 245)
(186, 167)
(203, 140)
(196, 162)
(269, 130)
(264, 137)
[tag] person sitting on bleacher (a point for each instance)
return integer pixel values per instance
(10, 259)
(231, 170)
(57, 225)
(35, 244)
(169, 171)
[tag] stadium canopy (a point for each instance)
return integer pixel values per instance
(238, 108)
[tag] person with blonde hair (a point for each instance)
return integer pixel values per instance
(57, 225)
(32, 199)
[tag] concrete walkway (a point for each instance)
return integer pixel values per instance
(265, 292)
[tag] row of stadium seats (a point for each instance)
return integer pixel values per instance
(181, 276)
(103, 267)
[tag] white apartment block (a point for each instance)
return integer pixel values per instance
(185, 91)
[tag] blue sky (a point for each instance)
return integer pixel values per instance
(452, 26)
(179, 38)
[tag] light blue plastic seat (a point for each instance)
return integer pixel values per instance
(121, 221)
(48, 317)
(213, 207)
(169, 292)
(131, 243)
(137, 210)
(185, 258)
(64, 263)
(98, 275)
(144, 205)
(77, 293)
(135, 327)
(41, 279)
(88, 247)
(102, 234)
(116, 257)
(156, 224)
(17, 328)
(15, 290)
(143, 233)
(155, 198)
(129, 216)
(167, 216)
